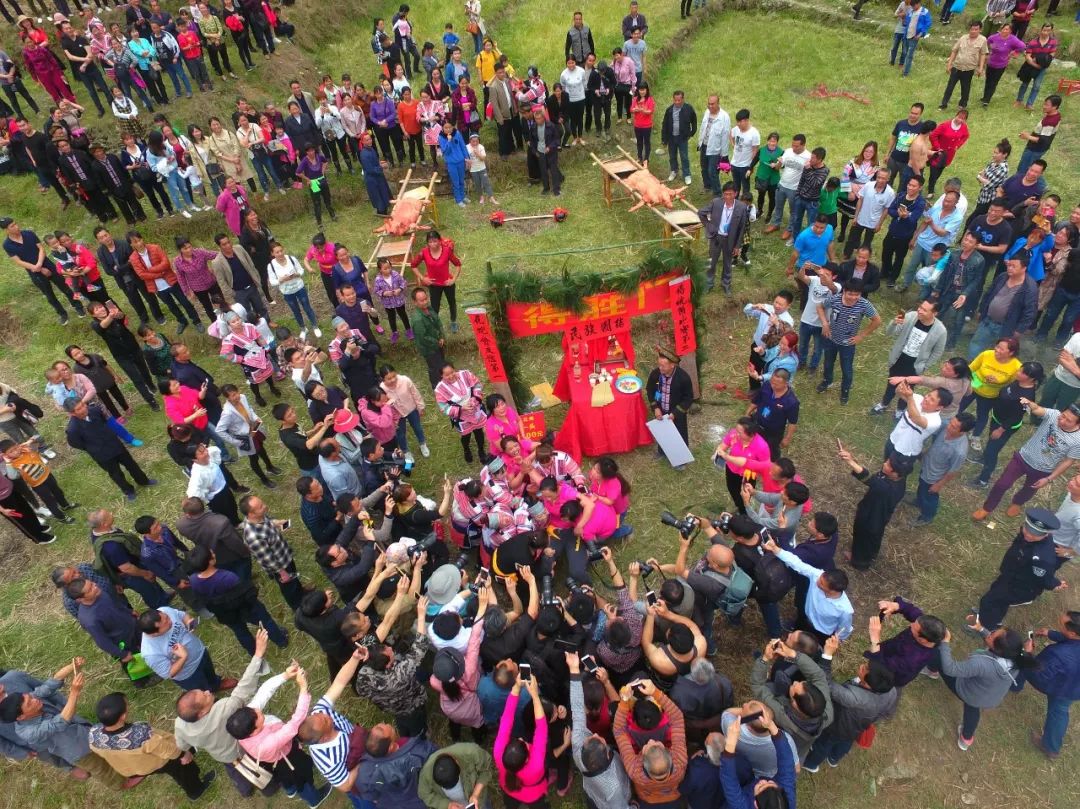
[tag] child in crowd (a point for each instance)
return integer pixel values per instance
(927, 277)
(390, 290)
(744, 254)
(428, 59)
(35, 472)
(827, 199)
(478, 168)
(450, 40)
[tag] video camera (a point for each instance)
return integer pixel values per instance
(425, 544)
(547, 595)
(395, 466)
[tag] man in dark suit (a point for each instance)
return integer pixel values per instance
(111, 176)
(544, 138)
(676, 132)
(670, 392)
(77, 168)
(301, 129)
(88, 430)
(725, 221)
(860, 266)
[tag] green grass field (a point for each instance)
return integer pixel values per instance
(767, 59)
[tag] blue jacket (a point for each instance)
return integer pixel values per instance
(1021, 314)
(93, 436)
(453, 148)
(739, 797)
(923, 26)
(1058, 674)
(1036, 267)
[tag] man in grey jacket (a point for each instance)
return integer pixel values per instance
(236, 273)
(808, 710)
(604, 778)
(860, 703)
(725, 220)
(200, 724)
(12, 746)
(579, 41)
(920, 342)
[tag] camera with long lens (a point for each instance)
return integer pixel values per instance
(684, 525)
(461, 562)
(645, 569)
(547, 595)
(594, 553)
(425, 544)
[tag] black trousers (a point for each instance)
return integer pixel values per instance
(139, 373)
(893, 252)
(964, 78)
(204, 299)
(858, 236)
(601, 111)
(321, 198)
(219, 57)
(99, 204)
(115, 467)
(159, 200)
(129, 206)
(390, 137)
(155, 85)
(50, 493)
(550, 175)
(577, 118)
(135, 291)
(435, 363)
(993, 76)
(45, 285)
(186, 776)
(734, 486)
(17, 87)
(224, 503)
(27, 522)
(178, 304)
(437, 293)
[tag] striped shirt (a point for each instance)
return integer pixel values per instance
(30, 466)
(844, 320)
(330, 758)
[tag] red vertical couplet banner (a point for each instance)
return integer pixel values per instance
(485, 343)
(682, 315)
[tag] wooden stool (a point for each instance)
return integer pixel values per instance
(610, 168)
(685, 219)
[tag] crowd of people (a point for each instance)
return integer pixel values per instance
(501, 596)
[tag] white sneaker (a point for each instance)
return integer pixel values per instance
(976, 443)
(48, 453)
(317, 332)
(208, 207)
(303, 335)
(425, 451)
(185, 214)
(409, 457)
(687, 179)
(671, 177)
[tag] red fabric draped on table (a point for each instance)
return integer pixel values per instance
(615, 428)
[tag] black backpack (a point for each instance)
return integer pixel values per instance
(772, 578)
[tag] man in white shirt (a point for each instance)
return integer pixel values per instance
(791, 165)
(1067, 537)
(713, 141)
(745, 142)
(919, 421)
(1063, 386)
(820, 288)
(874, 201)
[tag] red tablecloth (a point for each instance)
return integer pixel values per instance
(593, 431)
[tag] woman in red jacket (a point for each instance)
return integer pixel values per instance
(437, 258)
(946, 140)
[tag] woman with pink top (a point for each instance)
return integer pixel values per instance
(741, 447)
(455, 676)
(503, 420)
(609, 487)
(518, 464)
(273, 743)
(406, 399)
(458, 395)
(522, 765)
(380, 417)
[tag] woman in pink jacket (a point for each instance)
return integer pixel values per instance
(273, 743)
(741, 447)
(233, 204)
(522, 765)
(455, 676)
(380, 417)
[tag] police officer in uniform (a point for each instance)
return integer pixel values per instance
(1026, 570)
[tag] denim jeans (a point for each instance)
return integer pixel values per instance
(298, 301)
(264, 167)
(898, 48)
(971, 713)
(847, 364)
(1061, 299)
(927, 501)
(1057, 722)
(178, 191)
(1036, 83)
(177, 74)
(826, 747)
(678, 149)
(800, 206)
(414, 419)
(710, 175)
(983, 408)
(149, 591)
(257, 614)
(910, 44)
(806, 333)
(920, 257)
(770, 614)
(1027, 157)
(984, 337)
(740, 175)
(953, 320)
(204, 678)
(783, 195)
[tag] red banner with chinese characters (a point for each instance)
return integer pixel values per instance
(612, 309)
(485, 344)
(682, 316)
(534, 426)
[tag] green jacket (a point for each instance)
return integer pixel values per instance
(476, 766)
(427, 331)
(131, 543)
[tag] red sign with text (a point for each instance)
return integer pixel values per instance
(682, 316)
(485, 343)
(530, 319)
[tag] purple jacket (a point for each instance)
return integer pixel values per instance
(902, 654)
(383, 112)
